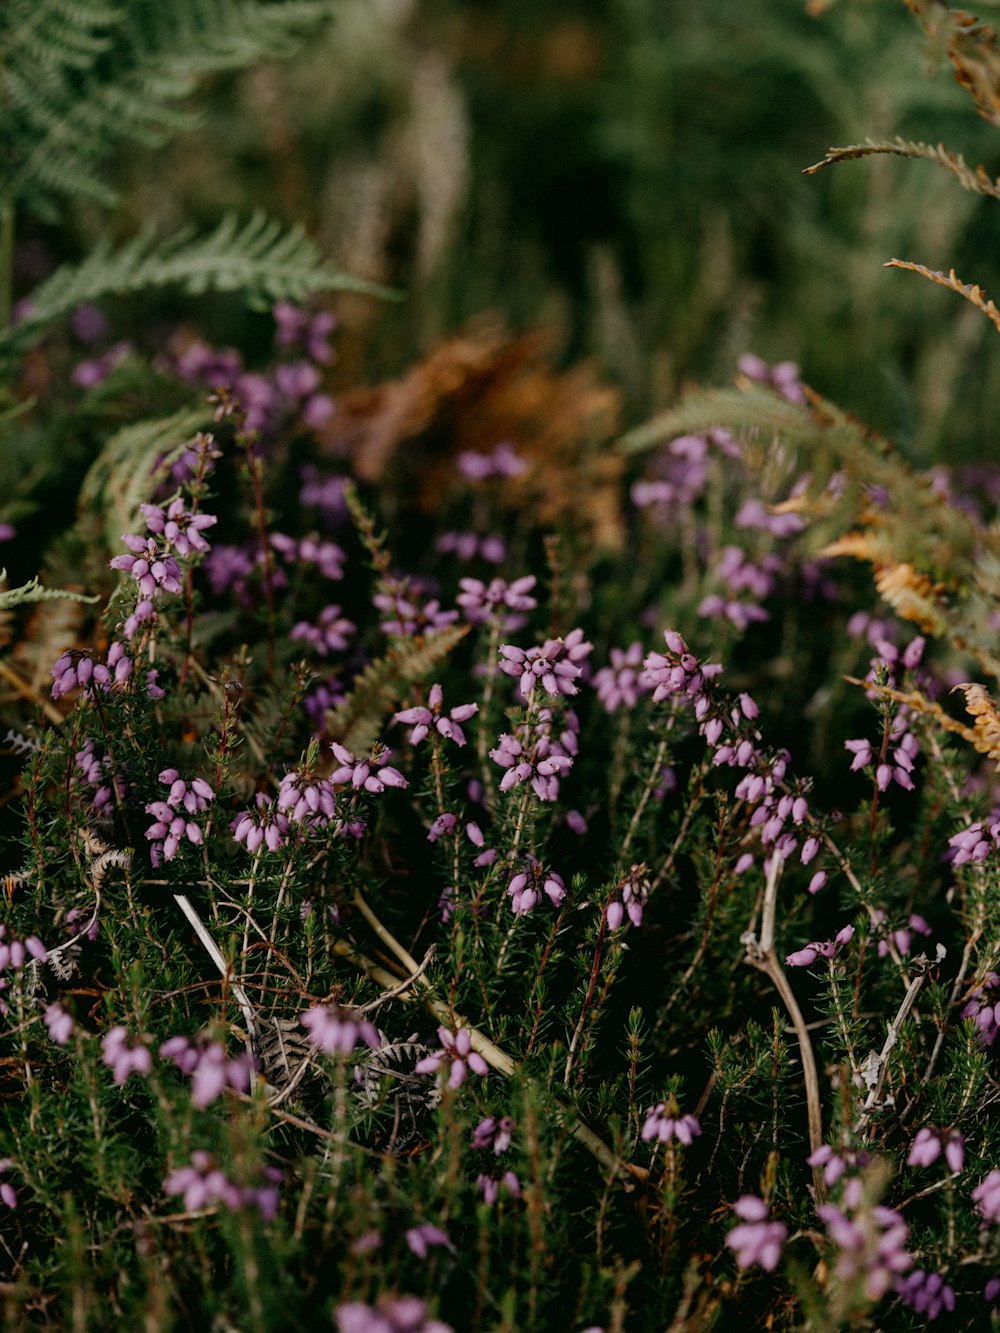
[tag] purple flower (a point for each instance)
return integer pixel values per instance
(59, 1023)
(536, 757)
(820, 949)
(422, 1237)
(836, 1161)
(502, 461)
(211, 1069)
(483, 602)
(555, 665)
(870, 1241)
(927, 1293)
(783, 378)
(306, 801)
(445, 724)
(406, 615)
(677, 673)
(621, 683)
(122, 1057)
(528, 887)
(757, 1239)
(180, 529)
(987, 1197)
(984, 1009)
(974, 843)
(493, 1133)
(372, 774)
(396, 1314)
(658, 1125)
(336, 1030)
(152, 568)
(325, 555)
(489, 1186)
(457, 1053)
(173, 818)
(8, 1195)
(330, 635)
(202, 1184)
(268, 827)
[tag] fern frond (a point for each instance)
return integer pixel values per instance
(358, 721)
(977, 180)
(260, 257)
(82, 77)
(32, 591)
(123, 476)
(970, 46)
(971, 293)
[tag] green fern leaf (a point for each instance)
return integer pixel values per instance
(32, 591)
(261, 257)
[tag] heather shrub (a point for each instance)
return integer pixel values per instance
(455, 881)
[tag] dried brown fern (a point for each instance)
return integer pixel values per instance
(971, 292)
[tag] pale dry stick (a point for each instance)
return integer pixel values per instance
(493, 1055)
(213, 951)
(760, 954)
(891, 1037)
(970, 944)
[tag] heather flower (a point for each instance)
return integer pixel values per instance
(445, 724)
(482, 602)
(805, 957)
(331, 634)
(202, 1184)
(620, 684)
(987, 1197)
(406, 615)
(927, 1146)
(336, 1030)
(974, 844)
(493, 1133)
(372, 774)
(489, 1186)
(870, 1241)
(79, 671)
(502, 461)
(59, 1024)
(662, 1127)
(783, 377)
(457, 1053)
(180, 529)
(634, 891)
(984, 1009)
(8, 1194)
(837, 1161)
(268, 827)
(152, 568)
(754, 513)
(538, 759)
(211, 1070)
(173, 818)
(927, 1293)
(528, 886)
(398, 1314)
(422, 1237)
(554, 665)
(125, 1055)
(756, 1240)
(677, 673)
(327, 556)
(89, 373)
(14, 953)
(304, 800)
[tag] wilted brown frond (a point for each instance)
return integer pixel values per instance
(978, 180)
(986, 730)
(474, 391)
(913, 596)
(970, 46)
(921, 704)
(971, 292)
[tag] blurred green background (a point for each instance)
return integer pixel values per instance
(627, 175)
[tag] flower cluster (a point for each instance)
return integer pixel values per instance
(555, 665)
(806, 956)
(267, 827)
(984, 1008)
(335, 1030)
(926, 1293)
(530, 885)
(407, 616)
(330, 634)
(173, 817)
(422, 719)
(870, 1241)
(467, 545)
(392, 1314)
(211, 1070)
(373, 774)
(740, 575)
(493, 1133)
(987, 1197)
(535, 756)
(622, 682)
(757, 1239)
(497, 601)
(629, 899)
(502, 461)
(677, 673)
(203, 1185)
(663, 1127)
(74, 670)
(457, 1054)
(327, 556)
(125, 1055)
